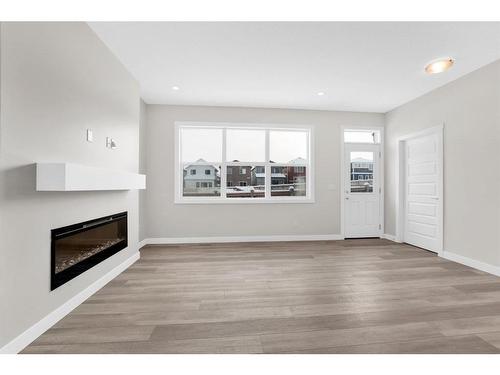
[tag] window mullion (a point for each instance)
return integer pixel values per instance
(223, 169)
(309, 183)
(267, 180)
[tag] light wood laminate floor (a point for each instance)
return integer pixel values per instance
(353, 296)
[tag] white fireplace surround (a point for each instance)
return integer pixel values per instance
(75, 177)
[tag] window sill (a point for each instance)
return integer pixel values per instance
(244, 201)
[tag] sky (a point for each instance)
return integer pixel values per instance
(368, 156)
(242, 145)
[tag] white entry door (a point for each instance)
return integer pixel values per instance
(362, 191)
(423, 192)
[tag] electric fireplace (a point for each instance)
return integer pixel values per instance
(79, 247)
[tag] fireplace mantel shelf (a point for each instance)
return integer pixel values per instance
(75, 177)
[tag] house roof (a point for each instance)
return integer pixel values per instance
(299, 160)
(201, 161)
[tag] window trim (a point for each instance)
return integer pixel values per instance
(222, 199)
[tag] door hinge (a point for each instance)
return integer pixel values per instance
(380, 154)
(380, 190)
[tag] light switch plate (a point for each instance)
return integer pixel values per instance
(90, 135)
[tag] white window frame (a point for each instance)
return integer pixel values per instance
(222, 199)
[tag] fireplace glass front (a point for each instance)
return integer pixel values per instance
(78, 247)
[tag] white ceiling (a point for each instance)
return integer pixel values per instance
(360, 66)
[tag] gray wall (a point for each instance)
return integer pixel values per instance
(470, 110)
(166, 219)
(57, 80)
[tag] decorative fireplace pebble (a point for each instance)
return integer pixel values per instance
(68, 259)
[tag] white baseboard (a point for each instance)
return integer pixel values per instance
(390, 237)
(494, 270)
(481, 266)
(32, 333)
(187, 240)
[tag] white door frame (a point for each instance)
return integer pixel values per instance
(342, 174)
(400, 181)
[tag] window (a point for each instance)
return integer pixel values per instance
(199, 183)
(362, 136)
(246, 144)
(288, 181)
(288, 146)
(254, 188)
(242, 163)
(361, 171)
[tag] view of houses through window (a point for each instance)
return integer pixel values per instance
(361, 162)
(361, 172)
(201, 179)
(245, 173)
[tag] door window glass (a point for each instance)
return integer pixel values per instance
(361, 172)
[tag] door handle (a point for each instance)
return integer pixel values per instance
(435, 198)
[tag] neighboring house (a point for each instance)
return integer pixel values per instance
(278, 175)
(258, 175)
(361, 169)
(361, 175)
(201, 179)
(239, 176)
(296, 174)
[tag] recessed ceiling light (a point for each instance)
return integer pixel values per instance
(175, 88)
(438, 66)
(321, 93)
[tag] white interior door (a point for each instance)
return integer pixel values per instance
(423, 192)
(362, 206)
